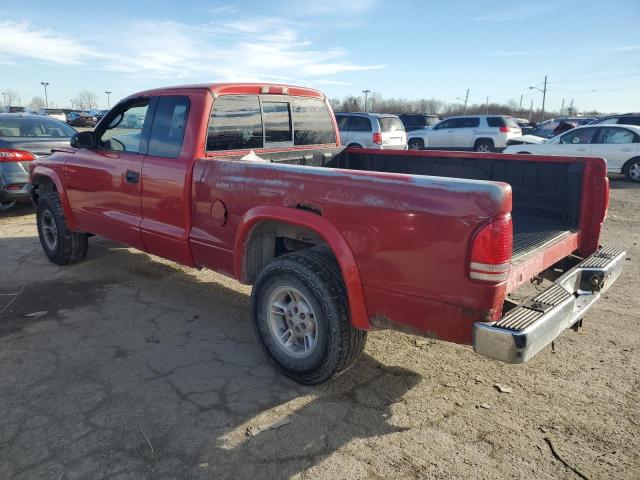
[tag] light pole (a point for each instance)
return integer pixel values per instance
(108, 92)
(562, 107)
(466, 99)
(46, 98)
(366, 96)
(544, 94)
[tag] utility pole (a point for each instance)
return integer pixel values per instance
(487, 109)
(46, 98)
(571, 107)
(531, 109)
(544, 95)
(108, 92)
(562, 107)
(366, 96)
(19, 100)
(466, 99)
(520, 107)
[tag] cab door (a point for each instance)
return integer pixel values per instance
(166, 178)
(103, 183)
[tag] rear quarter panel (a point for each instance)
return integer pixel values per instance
(409, 235)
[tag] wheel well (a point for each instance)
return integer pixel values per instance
(354, 145)
(270, 239)
(524, 153)
(416, 139)
(42, 184)
(478, 140)
(626, 165)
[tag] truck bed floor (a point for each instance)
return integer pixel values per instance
(530, 233)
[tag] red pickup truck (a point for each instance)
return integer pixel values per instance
(250, 180)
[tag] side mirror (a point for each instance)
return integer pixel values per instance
(83, 140)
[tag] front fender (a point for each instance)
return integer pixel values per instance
(42, 171)
(335, 240)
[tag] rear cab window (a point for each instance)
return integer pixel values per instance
(244, 122)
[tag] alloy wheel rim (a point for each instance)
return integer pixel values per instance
(634, 171)
(49, 230)
(292, 321)
(483, 148)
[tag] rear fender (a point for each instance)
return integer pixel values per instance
(320, 225)
(41, 171)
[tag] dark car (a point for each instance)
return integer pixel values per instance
(547, 128)
(81, 119)
(24, 138)
(416, 121)
(624, 119)
(100, 114)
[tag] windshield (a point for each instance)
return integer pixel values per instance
(39, 127)
(390, 124)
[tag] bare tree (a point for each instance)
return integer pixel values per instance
(37, 103)
(8, 97)
(86, 100)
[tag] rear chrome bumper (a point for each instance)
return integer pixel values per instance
(528, 328)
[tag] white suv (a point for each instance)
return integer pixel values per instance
(481, 133)
(371, 130)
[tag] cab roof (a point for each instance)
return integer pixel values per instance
(239, 88)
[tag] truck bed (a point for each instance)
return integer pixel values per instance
(546, 195)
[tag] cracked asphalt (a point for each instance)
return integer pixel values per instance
(141, 368)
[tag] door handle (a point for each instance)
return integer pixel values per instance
(132, 177)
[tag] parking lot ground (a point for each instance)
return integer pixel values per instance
(134, 367)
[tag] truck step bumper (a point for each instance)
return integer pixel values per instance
(528, 328)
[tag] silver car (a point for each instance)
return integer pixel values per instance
(371, 130)
(24, 138)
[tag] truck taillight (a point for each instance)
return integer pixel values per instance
(491, 251)
(377, 138)
(13, 155)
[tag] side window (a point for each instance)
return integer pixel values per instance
(169, 123)
(444, 124)
(235, 123)
(471, 122)
(457, 123)
(343, 123)
(616, 135)
(312, 124)
(495, 122)
(360, 124)
(124, 130)
(277, 122)
(582, 135)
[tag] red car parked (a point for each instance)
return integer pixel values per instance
(250, 180)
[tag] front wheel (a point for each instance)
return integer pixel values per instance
(416, 144)
(632, 170)
(60, 245)
(300, 315)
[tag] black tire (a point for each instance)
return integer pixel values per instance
(632, 170)
(69, 247)
(4, 206)
(483, 145)
(317, 277)
(416, 144)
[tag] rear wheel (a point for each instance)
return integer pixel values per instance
(300, 315)
(483, 145)
(61, 245)
(632, 170)
(416, 144)
(4, 206)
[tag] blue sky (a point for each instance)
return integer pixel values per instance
(410, 49)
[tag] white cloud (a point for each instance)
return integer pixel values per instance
(625, 48)
(344, 8)
(248, 49)
(229, 9)
(23, 39)
(526, 10)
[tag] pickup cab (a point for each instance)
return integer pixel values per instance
(250, 180)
